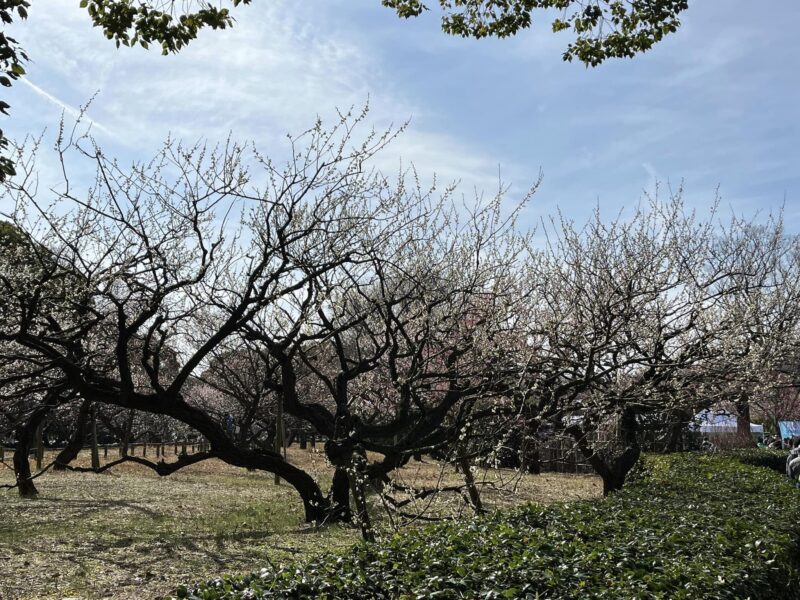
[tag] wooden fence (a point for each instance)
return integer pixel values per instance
(556, 454)
(163, 449)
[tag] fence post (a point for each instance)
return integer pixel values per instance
(126, 436)
(39, 447)
(280, 442)
(575, 453)
(95, 449)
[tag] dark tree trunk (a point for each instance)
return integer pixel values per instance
(674, 437)
(534, 462)
(315, 504)
(25, 441)
(613, 467)
(22, 470)
(70, 453)
(743, 421)
(279, 441)
(472, 489)
(340, 497)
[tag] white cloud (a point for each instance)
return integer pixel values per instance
(712, 104)
(280, 67)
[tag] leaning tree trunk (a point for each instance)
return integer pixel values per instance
(315, 503)
(25, 441)
(472, 488)
(70, 453)
(22, 470)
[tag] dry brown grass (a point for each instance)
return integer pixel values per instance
(129, 534)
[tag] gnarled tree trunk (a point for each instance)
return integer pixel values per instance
(315, 503)
(26, 434)
(70, 452)
(612, 466)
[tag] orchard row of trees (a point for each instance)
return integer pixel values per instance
(210, 289)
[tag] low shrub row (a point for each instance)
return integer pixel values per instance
(689, 526)
(762, 457)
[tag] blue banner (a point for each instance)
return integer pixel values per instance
(789, 429)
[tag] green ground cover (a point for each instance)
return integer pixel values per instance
(129, 535)
(689, 526)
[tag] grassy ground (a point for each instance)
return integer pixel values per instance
(130, 534)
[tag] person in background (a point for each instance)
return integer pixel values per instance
(793, 462)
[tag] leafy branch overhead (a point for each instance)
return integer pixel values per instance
(11, 58)
(145, 23)
(603, 28)
(127, 23)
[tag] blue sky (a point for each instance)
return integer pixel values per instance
(715, 106)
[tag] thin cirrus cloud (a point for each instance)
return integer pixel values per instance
(67, 109)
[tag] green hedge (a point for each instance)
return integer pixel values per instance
(689, 526)
(772, 459)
